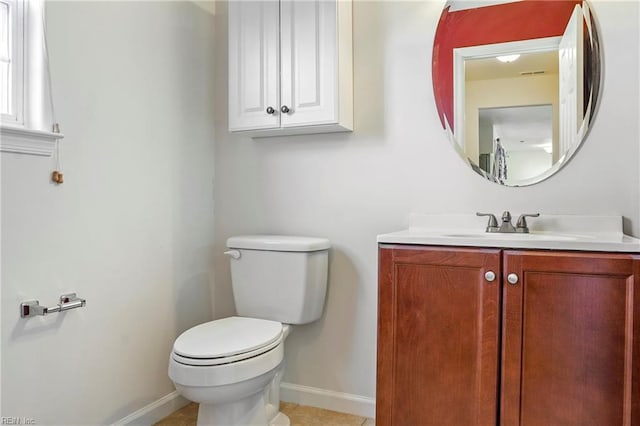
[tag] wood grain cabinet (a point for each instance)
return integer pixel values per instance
(472, 336)
(290, 67)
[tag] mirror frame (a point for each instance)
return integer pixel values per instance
(552, 14)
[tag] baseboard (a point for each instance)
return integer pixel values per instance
(154, 412)
(329, 400)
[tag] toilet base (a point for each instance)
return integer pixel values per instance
(280, 419)
(254, 402)
(250, 412)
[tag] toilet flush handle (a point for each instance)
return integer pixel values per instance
(235, 254)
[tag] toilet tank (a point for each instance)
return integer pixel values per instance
(280, 278)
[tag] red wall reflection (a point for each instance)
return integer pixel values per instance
(516, 21)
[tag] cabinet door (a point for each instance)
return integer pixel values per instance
(254, 64)
(571, 340)
(438, 325)
(309, 55)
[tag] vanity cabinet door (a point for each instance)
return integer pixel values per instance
(571, 339)
(438, 329)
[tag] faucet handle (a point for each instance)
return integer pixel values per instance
(492, 226)
(521, 225)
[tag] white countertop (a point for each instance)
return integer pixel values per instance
(559, 232)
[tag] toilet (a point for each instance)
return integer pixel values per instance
(233, 366)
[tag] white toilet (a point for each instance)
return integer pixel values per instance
(232, 367)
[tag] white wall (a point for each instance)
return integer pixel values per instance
(522, 165)
(130, 230)
(351, 187)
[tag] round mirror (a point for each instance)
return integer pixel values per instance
(516, 84)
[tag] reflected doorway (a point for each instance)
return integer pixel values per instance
(525, 133)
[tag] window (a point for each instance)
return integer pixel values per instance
(11, 60)
(5, 59)
(26, 107)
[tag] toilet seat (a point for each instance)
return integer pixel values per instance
(224, 360)
(226, 341)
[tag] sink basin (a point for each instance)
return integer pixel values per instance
(516, 236)
(564, 232)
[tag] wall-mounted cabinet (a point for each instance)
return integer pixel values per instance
(290, 67)
(471, 336)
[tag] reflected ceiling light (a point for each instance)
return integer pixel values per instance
(548, 149)
(507, 58)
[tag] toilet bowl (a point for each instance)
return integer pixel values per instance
(233, 366)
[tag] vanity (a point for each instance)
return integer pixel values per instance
(485, 325)
(478, 328)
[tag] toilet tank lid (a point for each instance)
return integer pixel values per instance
(278, 243)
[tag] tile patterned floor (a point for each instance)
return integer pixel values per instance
(300, 415)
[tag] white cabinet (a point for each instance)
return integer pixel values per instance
(290, 67)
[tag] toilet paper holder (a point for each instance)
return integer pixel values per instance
(32, 308)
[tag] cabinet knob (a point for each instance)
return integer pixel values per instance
(284, 109)
(513, 279)
(490, 276)
(270, 110)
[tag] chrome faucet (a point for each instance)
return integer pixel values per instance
(521, 224)
(492, 226)
(506, 226)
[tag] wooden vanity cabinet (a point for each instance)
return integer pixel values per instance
(559, 347)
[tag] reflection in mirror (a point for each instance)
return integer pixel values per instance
(525, 134)
(529, 65)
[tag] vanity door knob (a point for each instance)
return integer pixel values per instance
(490, 276)
(513, 279)
(284, 109)
(270, 110)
